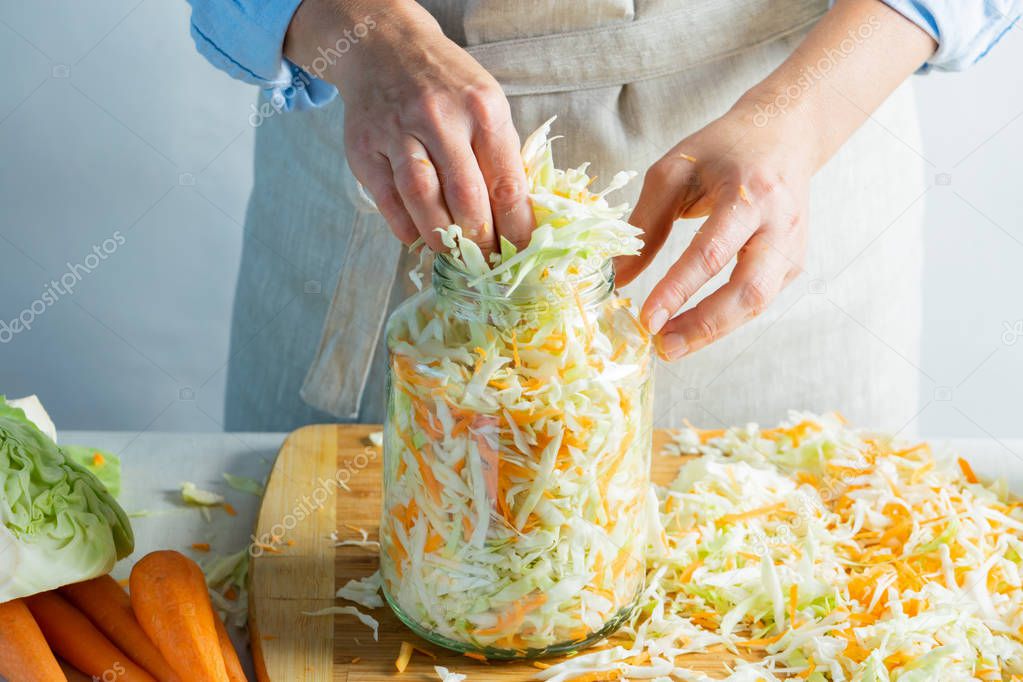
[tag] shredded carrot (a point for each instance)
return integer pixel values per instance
(475, 656)
(266, 548)
(753, 513)
(97, 459)
(687, 157)
(744, 196)
(793, 603)
(760, 643)
(967, 470)
(201, 546)
(404, 655)
(434, 543)
(230, 509)
(810, 667)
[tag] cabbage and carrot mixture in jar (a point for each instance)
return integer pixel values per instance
(518, 436)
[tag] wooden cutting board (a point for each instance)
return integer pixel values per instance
(303, 504)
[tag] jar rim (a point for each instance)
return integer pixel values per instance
(588, 289)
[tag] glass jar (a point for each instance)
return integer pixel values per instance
(516, 463)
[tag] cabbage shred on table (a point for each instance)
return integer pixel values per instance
(518, 439)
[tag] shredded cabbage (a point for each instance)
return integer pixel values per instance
(367, 620)
(518, 437)
(193, 494)
(227, 579)
(828, 554)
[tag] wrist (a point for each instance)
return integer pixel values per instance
(329, 39)
(787, 120)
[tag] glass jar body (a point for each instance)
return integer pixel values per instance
(516, 468)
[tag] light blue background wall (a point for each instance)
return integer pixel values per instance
(110, 123)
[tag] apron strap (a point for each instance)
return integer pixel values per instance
(648, 47)
(337, 378)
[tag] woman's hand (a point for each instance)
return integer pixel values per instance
(750, 171)
(754, 187)
(428, 131)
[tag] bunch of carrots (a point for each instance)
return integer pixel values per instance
(165, 631)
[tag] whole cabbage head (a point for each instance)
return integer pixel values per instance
(58, 524)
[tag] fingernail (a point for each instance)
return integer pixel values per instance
(672, 346)
(657, 320)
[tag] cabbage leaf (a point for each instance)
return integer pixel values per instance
(58, 523)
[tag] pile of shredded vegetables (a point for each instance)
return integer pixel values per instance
(517, 442)
(814, 551)
(824, 553)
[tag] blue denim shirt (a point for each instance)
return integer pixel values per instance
(245, 39)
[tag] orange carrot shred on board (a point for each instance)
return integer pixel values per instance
(201, 546)
(75, 639)
(107, 605)
(230, 510)
(171, 601)
(476, 657)
(24, 653)
(404, 656)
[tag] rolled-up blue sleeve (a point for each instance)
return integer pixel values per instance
(965, 30)
(245, 38)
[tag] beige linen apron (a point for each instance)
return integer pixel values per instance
(627, 80)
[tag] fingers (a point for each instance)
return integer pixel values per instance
(419, 187)
(497, 148)
(376, 177)
(655, 212)
(730, 226)
(761, 273)
(465, 191)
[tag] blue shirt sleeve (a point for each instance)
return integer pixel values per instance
(245, 38)
(965, 30)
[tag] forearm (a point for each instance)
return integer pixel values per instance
(856, 56)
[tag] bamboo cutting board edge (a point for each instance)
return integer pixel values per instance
(289, 646)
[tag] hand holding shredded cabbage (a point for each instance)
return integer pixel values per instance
(58, 523)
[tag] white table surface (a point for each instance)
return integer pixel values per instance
(155, 464)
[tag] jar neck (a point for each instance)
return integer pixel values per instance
(585, 292)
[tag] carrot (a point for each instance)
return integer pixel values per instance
(72, 673)
(967, 470)
(235, 672)
(172, 604)
(74, 637)
(24, 654)
(108, 607)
